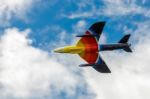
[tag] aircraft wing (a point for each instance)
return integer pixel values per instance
(101, 66)
(96, 29)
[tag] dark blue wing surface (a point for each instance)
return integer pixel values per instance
(101, 66)
(97, 28)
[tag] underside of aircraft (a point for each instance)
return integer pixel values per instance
(88, 48)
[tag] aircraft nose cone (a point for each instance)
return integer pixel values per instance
(59, 50)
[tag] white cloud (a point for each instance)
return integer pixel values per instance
(80, 26)
(103, 38)
(14, 8)
(26, 71)
(110, 8)
(79, 14)
(120, 7)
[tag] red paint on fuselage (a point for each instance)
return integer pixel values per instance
(91, 48)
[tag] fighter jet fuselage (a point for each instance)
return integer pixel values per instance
(103, 47)
(88, 48)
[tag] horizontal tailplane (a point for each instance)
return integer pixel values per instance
(124, 40)
(128, 49)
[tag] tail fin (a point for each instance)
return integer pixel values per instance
(125, 41)
(128, 49)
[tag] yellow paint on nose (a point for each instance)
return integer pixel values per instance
(70, 49)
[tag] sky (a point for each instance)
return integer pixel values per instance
(31, 29)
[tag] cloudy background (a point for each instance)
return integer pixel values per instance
(31, 29)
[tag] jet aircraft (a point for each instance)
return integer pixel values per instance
(88, 48)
